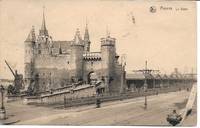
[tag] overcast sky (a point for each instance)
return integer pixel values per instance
(167, 38)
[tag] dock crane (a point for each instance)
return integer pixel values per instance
(18, 80)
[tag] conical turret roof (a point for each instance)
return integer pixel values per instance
(77, 37)
(31, 36)
(86, 35)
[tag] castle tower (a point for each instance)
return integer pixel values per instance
(108, 53)
(77, 49)
(86, 39)
(29, 57)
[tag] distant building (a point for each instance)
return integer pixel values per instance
(51, 64)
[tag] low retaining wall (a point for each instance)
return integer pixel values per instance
(12, 98)
(56, 98)
(32, 99)
(60, 101)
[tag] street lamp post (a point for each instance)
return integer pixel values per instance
(2, 109)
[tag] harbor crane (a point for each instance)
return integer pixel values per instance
(18, 80)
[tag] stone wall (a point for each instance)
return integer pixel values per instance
(52, 78)
(50, 62)
(58, 97)
(115, 84)
(53, 71)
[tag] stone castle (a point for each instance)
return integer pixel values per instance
(51, 64)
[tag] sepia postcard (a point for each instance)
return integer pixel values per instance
(98, 62)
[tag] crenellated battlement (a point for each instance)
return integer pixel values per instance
(92, 56)
(108, 41)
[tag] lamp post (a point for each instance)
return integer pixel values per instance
(2, 109)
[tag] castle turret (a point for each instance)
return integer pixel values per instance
(108, 53)
(86, 39)
(77, 49)
(29, 57)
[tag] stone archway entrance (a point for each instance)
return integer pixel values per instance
(88, 77)
(92, 77)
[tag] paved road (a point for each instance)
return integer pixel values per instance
(126, 112)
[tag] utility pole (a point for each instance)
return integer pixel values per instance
(145, 85)
(145, 72)
(145, 77)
